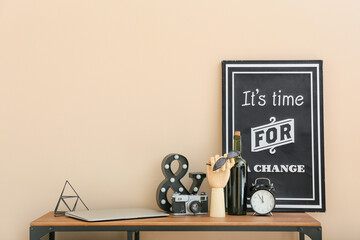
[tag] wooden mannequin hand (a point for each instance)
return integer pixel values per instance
(220, 177)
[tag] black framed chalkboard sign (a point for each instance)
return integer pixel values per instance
(278, 108)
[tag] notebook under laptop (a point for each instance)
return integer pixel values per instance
(115, 214)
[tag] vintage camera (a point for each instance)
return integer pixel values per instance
(189, 204)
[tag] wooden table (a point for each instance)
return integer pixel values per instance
(302, 223)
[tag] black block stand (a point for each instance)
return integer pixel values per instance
(301, 223)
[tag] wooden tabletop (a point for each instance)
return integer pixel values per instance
(278, 219)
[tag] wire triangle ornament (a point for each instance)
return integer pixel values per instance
(68, 205)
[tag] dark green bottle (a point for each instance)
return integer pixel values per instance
(237, 182)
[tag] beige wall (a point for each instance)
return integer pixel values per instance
(98, 92)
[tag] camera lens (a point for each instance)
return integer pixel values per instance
(195, 206)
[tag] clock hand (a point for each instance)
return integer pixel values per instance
(261, 198)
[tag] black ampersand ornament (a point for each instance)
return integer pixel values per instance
(172, 180)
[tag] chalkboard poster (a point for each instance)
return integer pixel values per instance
(278, 107)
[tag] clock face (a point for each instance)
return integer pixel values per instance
(262, 202)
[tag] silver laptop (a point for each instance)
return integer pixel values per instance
(115, 214)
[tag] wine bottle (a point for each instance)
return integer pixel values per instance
(237, 182)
